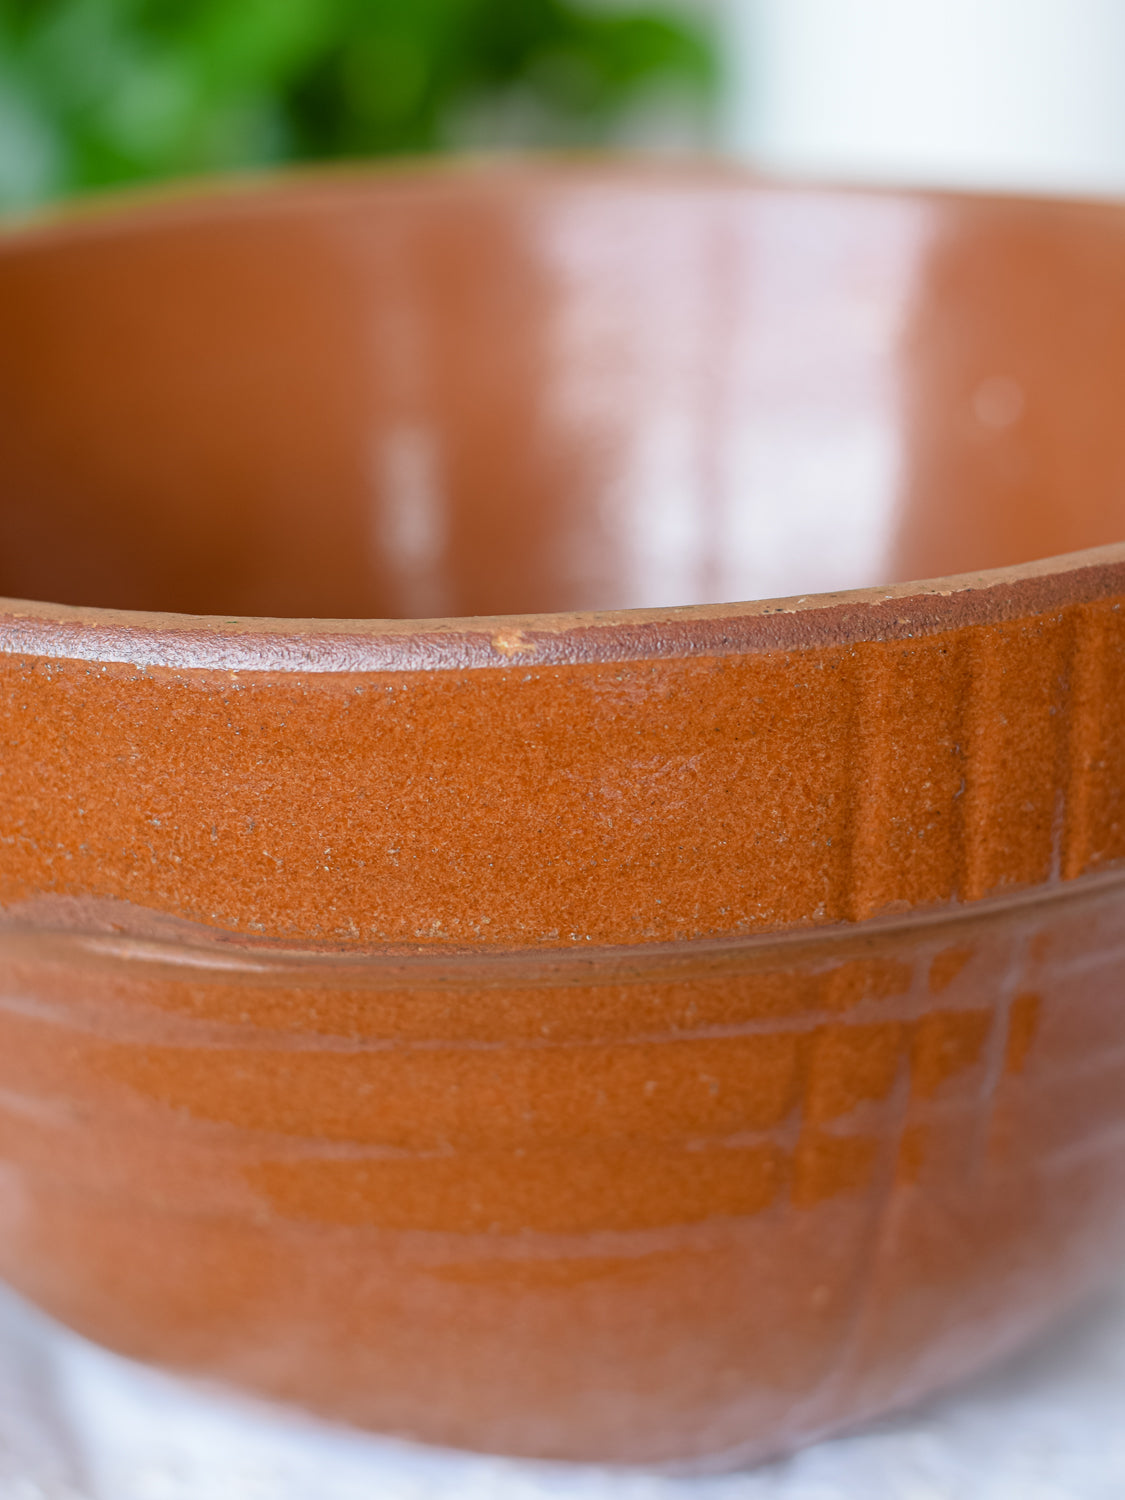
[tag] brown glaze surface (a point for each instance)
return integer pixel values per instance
(658, 1034)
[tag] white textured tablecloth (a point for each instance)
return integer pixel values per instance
(77, 1423)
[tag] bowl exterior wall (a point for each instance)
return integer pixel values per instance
(630, 783)
(684, 1207)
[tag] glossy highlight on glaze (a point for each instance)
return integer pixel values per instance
(661, 1031)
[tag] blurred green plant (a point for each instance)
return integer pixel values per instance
(94, 92)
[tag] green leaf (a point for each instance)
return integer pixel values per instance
(106, 91)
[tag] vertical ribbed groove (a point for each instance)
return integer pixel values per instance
(883, 1196)
(1084, 711)
(974, 763)
(996, 1054)
(978, 745)
(841, 862)
(868, 796)
(958, 711)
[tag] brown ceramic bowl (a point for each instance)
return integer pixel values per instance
(658, 1034)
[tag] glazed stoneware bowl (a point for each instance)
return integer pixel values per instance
(459, 974)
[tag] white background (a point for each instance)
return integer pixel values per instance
(1026, 94)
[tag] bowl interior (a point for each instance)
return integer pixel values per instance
(520, 390)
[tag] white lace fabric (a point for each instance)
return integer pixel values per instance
(77, 1423)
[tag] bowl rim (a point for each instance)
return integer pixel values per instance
(153, 639)
(299, 646)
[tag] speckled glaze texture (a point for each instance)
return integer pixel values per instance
(657, 1034)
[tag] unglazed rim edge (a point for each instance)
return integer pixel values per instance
(184, 642)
